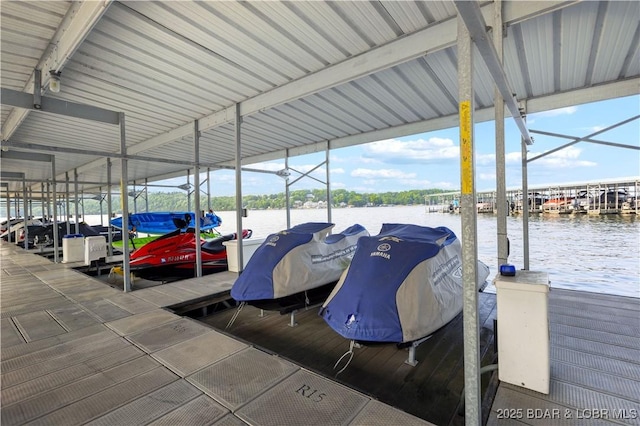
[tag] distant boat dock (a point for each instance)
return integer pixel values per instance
(599, 198)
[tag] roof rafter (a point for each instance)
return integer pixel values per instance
(429, 40)
(76, 25)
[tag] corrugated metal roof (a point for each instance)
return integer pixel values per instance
(304, 73)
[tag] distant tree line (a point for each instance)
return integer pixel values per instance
(177, 201)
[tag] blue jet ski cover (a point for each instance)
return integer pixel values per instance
(297, 259)
(165, 222)
(402, 284)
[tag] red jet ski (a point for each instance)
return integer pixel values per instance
(173, 256)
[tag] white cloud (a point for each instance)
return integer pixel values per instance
(337, 171)
(226, 178)
(381, 174)
(485, 159)
(556, 112)
(513, 157)
(487, 176)
(565, 158)
(272, 167)
(337, 158)
(415, 183)
(420, 150)
(369, 160)
(446, 185)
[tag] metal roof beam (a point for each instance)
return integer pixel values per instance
(27, 101)
(109, 154)
(11, 175)
(471, 14)
(558, 135)
(17, 155)
(86, 182)
(76, 25)
(431, 39)
(27, 156)
(576, 140)
(544, 103)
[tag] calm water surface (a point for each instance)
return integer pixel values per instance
(591, 253)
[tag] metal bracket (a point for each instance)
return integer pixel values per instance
(411, 360)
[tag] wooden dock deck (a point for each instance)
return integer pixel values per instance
(595, 365)
(430, 390)
(75, 351)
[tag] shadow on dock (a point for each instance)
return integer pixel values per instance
(431, 390)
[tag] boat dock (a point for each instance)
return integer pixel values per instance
(595, 365)
(597, 198)
(75, 350)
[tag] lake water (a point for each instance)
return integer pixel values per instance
(591, 253)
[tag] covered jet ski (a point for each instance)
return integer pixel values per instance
(294, 261)
(4, 225)
(165, 222)
(42, 235)
(173, 255)
(17, 227)
(402, 285)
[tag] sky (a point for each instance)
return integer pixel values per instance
(432, 160)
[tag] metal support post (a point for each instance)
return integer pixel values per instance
(26, 215)
(49, 212)
(287, 194)
(42, 202)
(8, 204)
(54, 196)
(327, 153)
(196, 200)
(188, 190)
(146, 195)
(502, 205)
(109, 209)
(67, 208)
(469, 229)
(527, 205)
(75, 200)
(124, 199)
(237, 127)
(209, 189)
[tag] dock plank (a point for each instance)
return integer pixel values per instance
(85, 374)
(73, 357)
(109, 399)
(595, 365)
(9, 333)
(73, 317)
(13, 352)
(37, 325)
(151, 406)
(50, 378)
(52, 352)
(427, 391)
(63, 397)
(201, 411)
